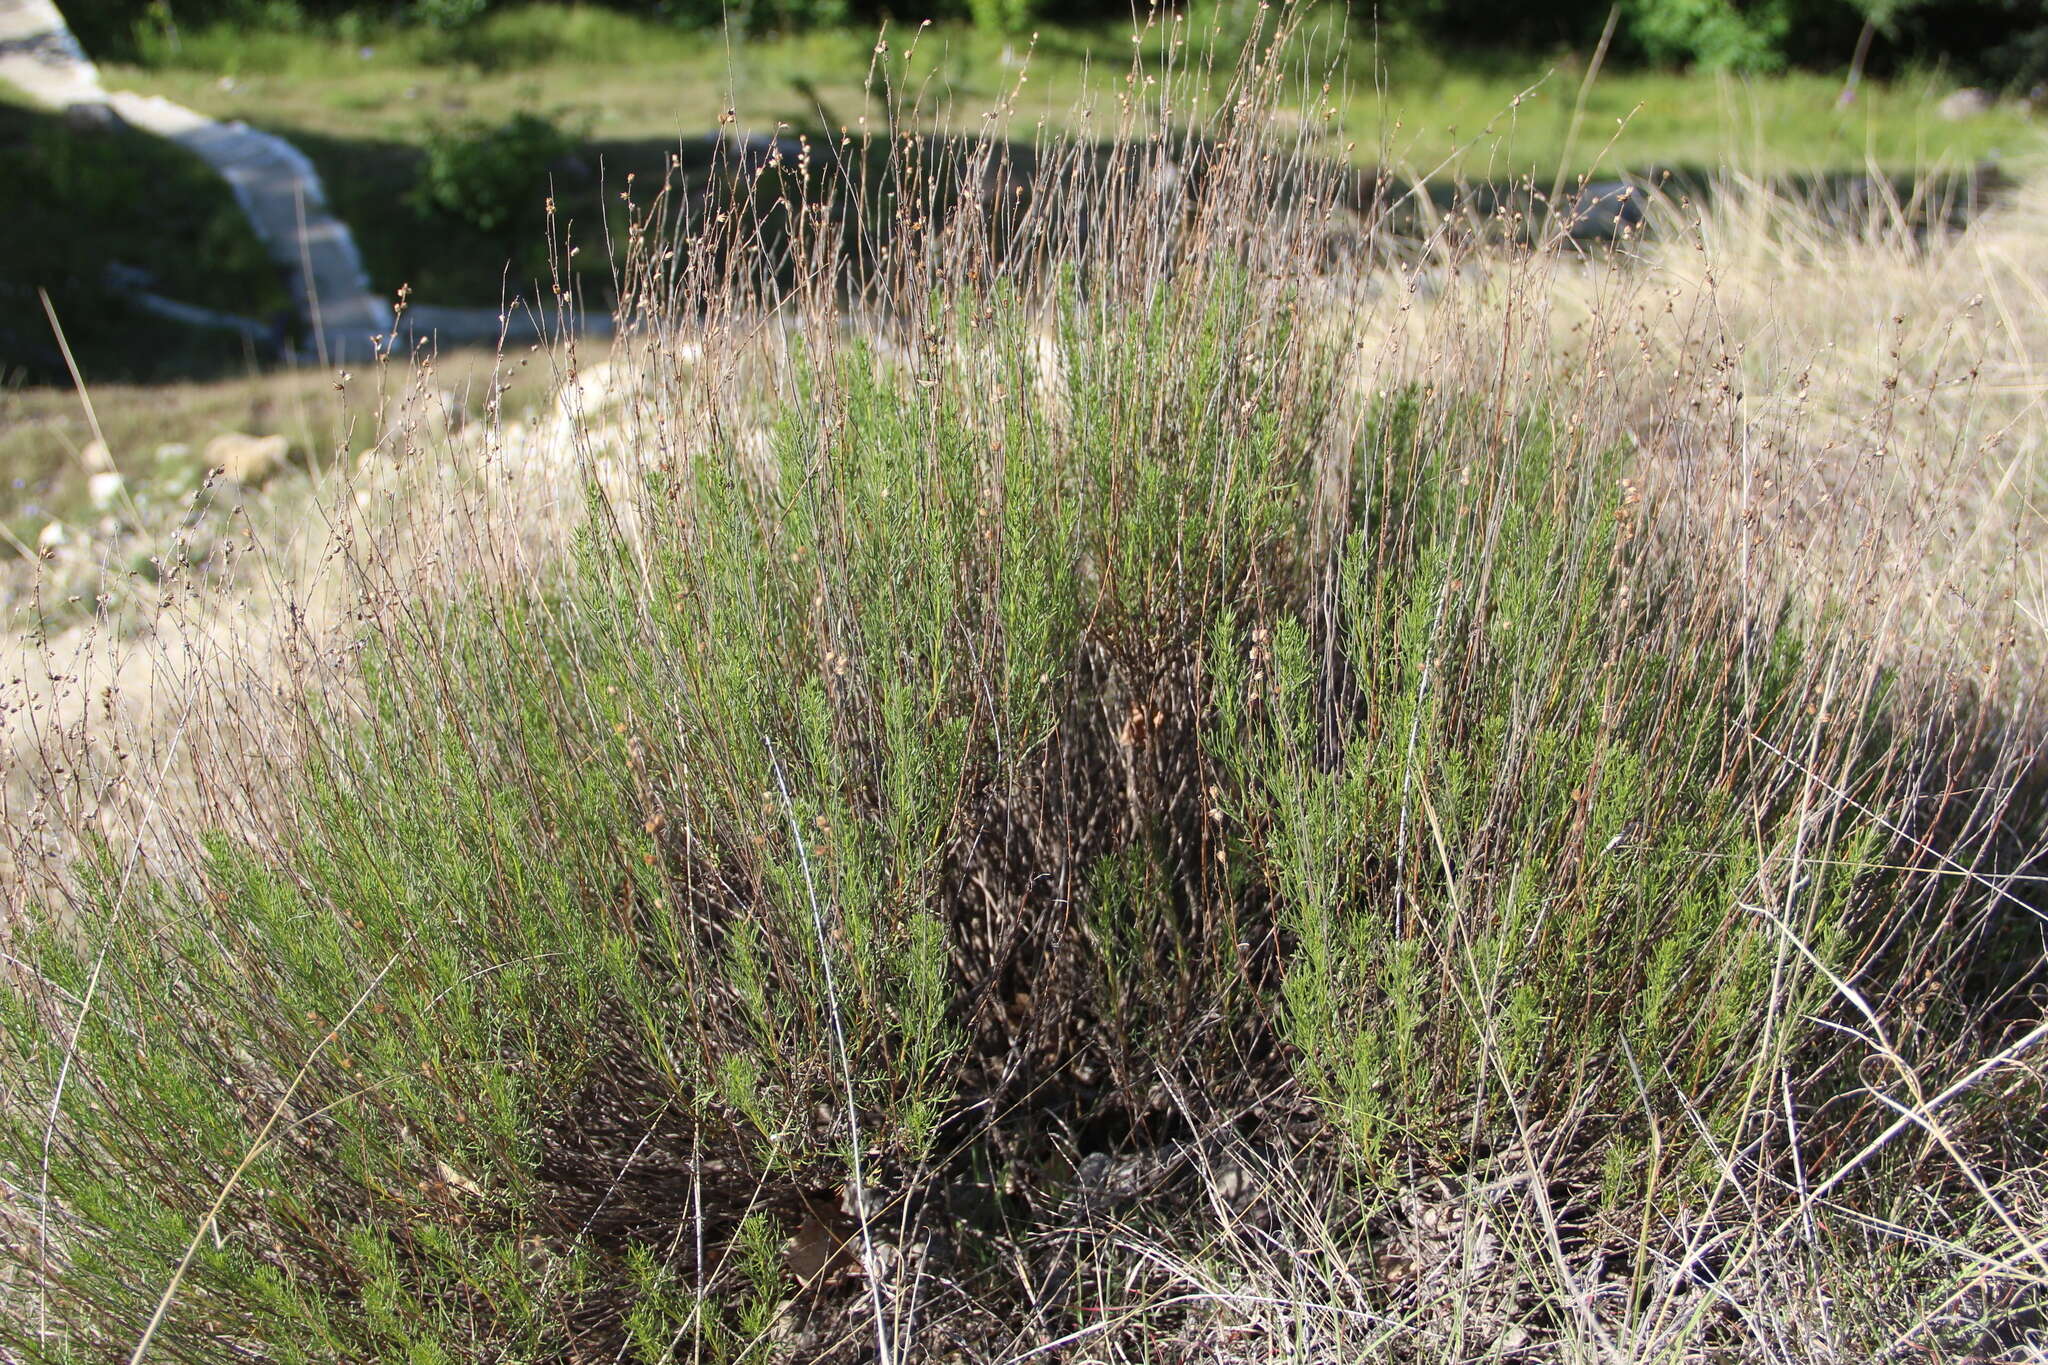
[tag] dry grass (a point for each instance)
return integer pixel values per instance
(1833, 399)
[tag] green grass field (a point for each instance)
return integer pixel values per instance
(1409, 111)
(44, 428)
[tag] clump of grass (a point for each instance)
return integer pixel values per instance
(1037, 791)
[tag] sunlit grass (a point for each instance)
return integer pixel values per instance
(1411, 111)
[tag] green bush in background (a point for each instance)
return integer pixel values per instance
(1713, 33)
(448, 13)
(492, 176)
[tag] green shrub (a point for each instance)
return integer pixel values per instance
(1003, 16)
(686, 853)
(1075, 726)
(493, 177)
(1711, 33)
(448, 14)
(754, 16)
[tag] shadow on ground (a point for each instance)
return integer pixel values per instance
(99, 214)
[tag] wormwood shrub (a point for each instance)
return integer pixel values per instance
(948, 783)
(1082, 728)
(1511, 810)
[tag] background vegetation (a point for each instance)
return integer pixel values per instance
(441, 132)
(2002, 41)
(411, 129)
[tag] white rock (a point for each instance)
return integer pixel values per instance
(245, 459)
(600, 391)
(1049, 372)
(757, 446)
(1965, 103)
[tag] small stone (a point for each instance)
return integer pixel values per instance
(1232, 1183)
(103, 488)
(247, 460)
(93, 116)
(1966, 103)
(96, 458)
